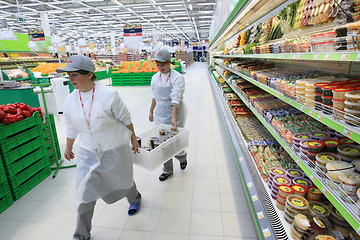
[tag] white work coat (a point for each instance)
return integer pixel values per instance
(167, 92)
(104, 163)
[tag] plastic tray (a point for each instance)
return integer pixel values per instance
(25, 174)
(26, 161)
(165, 151)
(6, 201)
(26, 186)
(16, 140)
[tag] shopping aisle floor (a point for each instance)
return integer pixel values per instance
(204, 202)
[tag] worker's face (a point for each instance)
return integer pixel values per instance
(80, 81)
(164, 67)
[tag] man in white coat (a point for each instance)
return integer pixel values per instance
(167, 105)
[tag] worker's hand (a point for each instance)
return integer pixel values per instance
(135, 144)
(174, 124)
(69, 155)
(151, 116)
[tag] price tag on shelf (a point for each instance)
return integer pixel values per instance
(302, 108)
(313, 114)
(345, 57)
(250, 185)
(260, 215)
(313, 178)
(316, 57)
(358, 57)
(326, 193)
(347, 133)
(254, 198)
(310, 112)
(266, 232)
(321, 118)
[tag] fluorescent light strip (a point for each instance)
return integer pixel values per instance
(190, 7)
(175, 5)
(204, 4)
(205, 21)
(180, 18)
(142, 6)
(206, 12)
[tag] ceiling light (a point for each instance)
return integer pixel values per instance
(205, 16)
(193, 18)
(75, 18)
(56, 11)
(110, 8)
(97, 16)
(175, 5)
(188, 0)
(94, 0)
(30, 13)
(178, 13)
(80, 10)
(180, 18)
(156, 19)
(205, 21)
(123, 15)
(149, 14)
(203, 4)
(206, 12)
(147, 6)
(190, 7)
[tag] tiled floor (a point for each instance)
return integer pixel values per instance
(204, 202)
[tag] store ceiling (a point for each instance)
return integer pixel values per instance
(94, 19)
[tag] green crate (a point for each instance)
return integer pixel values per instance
(26, 161)
(13, 155)
(9, 143)
(2, 172)
(14, 128)
(20, 177)
(121, 84)
(4, 187)
(101, 75)
(29, 184)
(6, 201)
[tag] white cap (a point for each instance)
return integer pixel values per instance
(76, 63)
(163, 56)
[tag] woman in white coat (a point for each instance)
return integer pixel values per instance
(104, 165)
(167, 107)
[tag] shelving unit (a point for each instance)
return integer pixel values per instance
(349, 211)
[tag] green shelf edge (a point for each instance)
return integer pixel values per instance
(347, 131)
(343, 57)
(354, 224)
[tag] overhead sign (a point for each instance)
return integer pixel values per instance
(36, 35)
(133, 36)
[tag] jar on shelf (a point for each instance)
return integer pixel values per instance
(339, 93)
(318, 87)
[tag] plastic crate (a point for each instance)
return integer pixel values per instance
(165, 151)
(4, 187)
(26, 161)
(14, 128)
(6, 201)
(122, 84)
(101, 75)
(29, 184)
(20, 177)
(13, 155)
(2, 173)
(9, 143)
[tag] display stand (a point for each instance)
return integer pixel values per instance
(58, 161)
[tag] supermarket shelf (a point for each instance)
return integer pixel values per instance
(332, 56)
(347, 130)
(348, 212)
(268, 223)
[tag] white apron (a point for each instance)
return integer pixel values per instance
(106, 165)
(163, 108)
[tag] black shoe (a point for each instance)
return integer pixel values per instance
(163, 176)
(183, 165)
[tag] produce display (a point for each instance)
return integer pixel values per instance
(301, 15)
(11, 113)
(16, 74)
(47, 68)
(101, 64)
(137, 67)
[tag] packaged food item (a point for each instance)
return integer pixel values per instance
(336, 216)
(296, 203)
(338, 104)
(310, 100)
(327, 90)
(315, 146)
(323, 158)
(349, 152)
(335, 168)
(318, 87)
(350, 182)
(281, 199)
(304, 144)
(313, 194)
(352, 105)
(302, 181)
(285, 190)
(353, 96)
(311, 156)
(331, 145)
(327, 100)
(356, 164)
(339, 93)
(276, 171)
(346, 141)
(317, 208)
(318, 135)
(280, 180)
(299, 137)
(280, 205)
(294, 173)
(299, 190)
